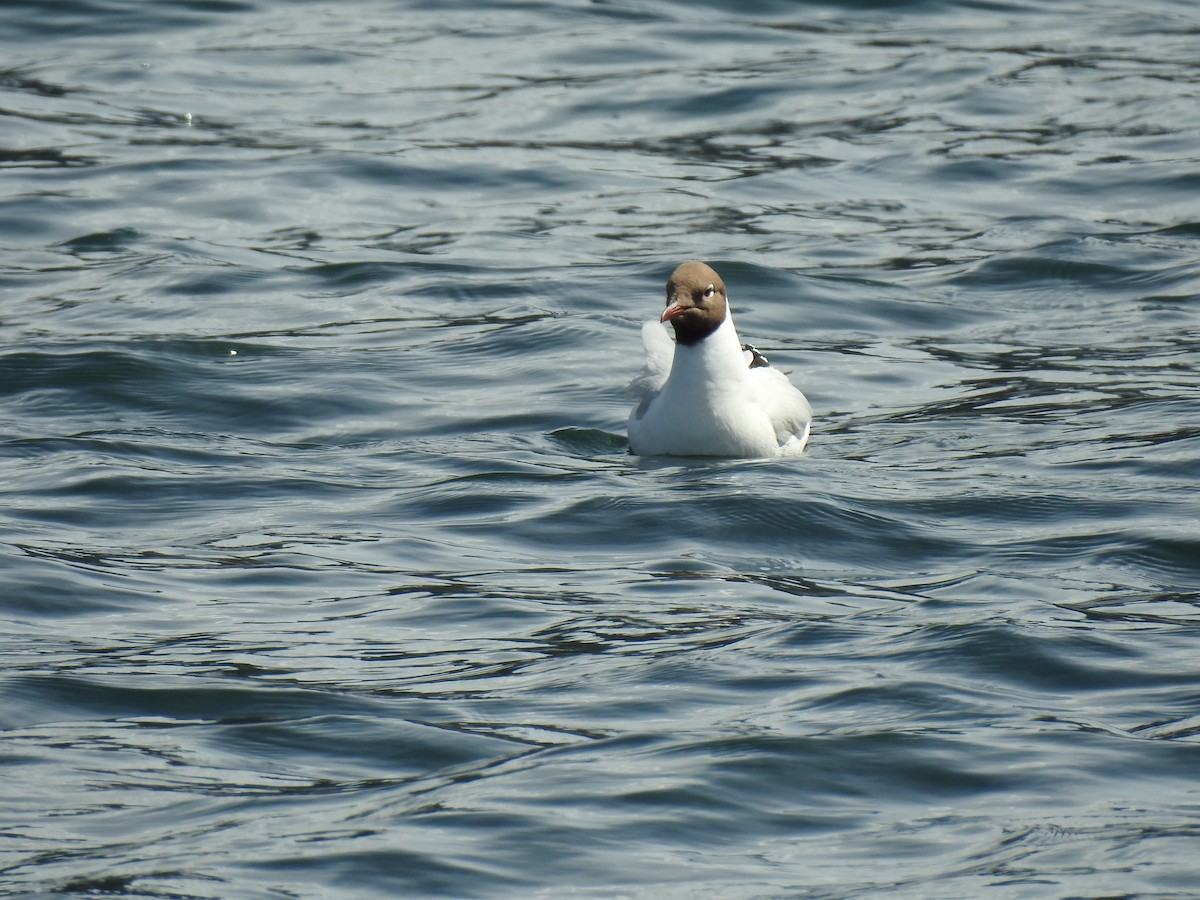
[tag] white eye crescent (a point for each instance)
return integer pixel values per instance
(708, 292)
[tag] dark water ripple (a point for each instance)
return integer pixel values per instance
(327, 572)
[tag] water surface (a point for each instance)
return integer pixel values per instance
(327, 571)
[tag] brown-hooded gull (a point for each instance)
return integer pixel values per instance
(708, 394)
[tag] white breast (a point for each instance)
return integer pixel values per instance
(713, 404)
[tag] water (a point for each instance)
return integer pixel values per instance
(327, 571)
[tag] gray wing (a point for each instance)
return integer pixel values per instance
(659, 351)
(787, 408)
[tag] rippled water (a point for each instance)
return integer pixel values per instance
(327, 571)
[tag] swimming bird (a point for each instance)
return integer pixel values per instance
(708, 394)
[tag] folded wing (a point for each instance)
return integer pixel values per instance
(659, 349)
(786, 407)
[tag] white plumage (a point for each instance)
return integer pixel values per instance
(703, 394)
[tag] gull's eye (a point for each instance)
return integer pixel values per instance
(708, 292)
